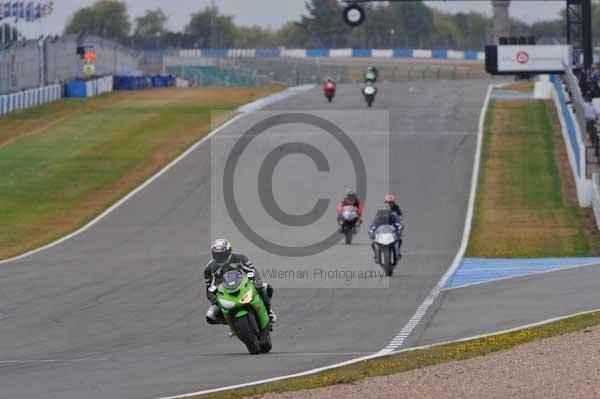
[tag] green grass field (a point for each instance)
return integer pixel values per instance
(522, 207)
(65, 162)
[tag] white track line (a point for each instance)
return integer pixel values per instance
(398, 340)
(378, 355)
(245, 109)
(557, 269)
(495, 333)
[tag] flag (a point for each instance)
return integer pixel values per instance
(37, 13)
(22, 9)
(7, 9)
(1, 10)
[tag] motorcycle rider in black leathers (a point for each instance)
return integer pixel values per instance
(390, 199)
(224, 259)
(385, 216)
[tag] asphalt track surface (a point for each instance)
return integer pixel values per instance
(505, 304)
(118, 311)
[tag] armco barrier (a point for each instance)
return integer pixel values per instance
(29, 98)
(596, 198)
(339, 52)
(573, 142)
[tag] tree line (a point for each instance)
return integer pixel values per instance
(388, 25)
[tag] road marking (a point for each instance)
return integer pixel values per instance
(526, 274)
(378, 355)
(273, 98)
(290, 92)
(495, 333)
(393, 346)
(399, 339)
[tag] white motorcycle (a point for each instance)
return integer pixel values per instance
(369, 93)
(348, 221)
(387, 248)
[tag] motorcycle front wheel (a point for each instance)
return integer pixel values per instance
(386, 260)
(248, 332)
(349, 237)
(265, 341)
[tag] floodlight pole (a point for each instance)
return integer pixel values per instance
(579, 30)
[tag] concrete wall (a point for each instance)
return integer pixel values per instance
(30, 64)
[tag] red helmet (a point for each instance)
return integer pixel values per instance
(390, 198)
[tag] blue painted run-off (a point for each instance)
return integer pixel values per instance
(511, 95)
(479, 270)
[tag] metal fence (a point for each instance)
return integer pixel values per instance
(296, 71)
(29, 64)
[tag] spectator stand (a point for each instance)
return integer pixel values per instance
(583, 87)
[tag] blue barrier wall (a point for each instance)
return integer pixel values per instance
(568, 117)
(403, 53)
(76, 88)
(362, 53)
(317, 52)
(326, 52)
(442, 54)
(471, 55)
(268, 52)
(138, 81)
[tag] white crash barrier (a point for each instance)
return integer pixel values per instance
(596, 198)
(99, 86)
(456, 55)
(29, 98)
(377, 53)
(181, 83)
(293, 53)
(543, 88)
(419, 53)
(340, 52)
(572, 136)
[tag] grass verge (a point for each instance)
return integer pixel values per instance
(63, 163)
(411, 360)
(525, 204)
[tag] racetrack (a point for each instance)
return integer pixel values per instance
(118, 311)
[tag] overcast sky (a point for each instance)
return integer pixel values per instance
(271, 13)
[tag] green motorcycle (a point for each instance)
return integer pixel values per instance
(371, 76)
(244, 310)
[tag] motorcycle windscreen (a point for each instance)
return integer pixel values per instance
(232, 279)
(349, 212)
(385, 229)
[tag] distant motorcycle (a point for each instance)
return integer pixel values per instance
(369, 93)
(349, 222)
(371, 76)
(387, 248)
(329, 90)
